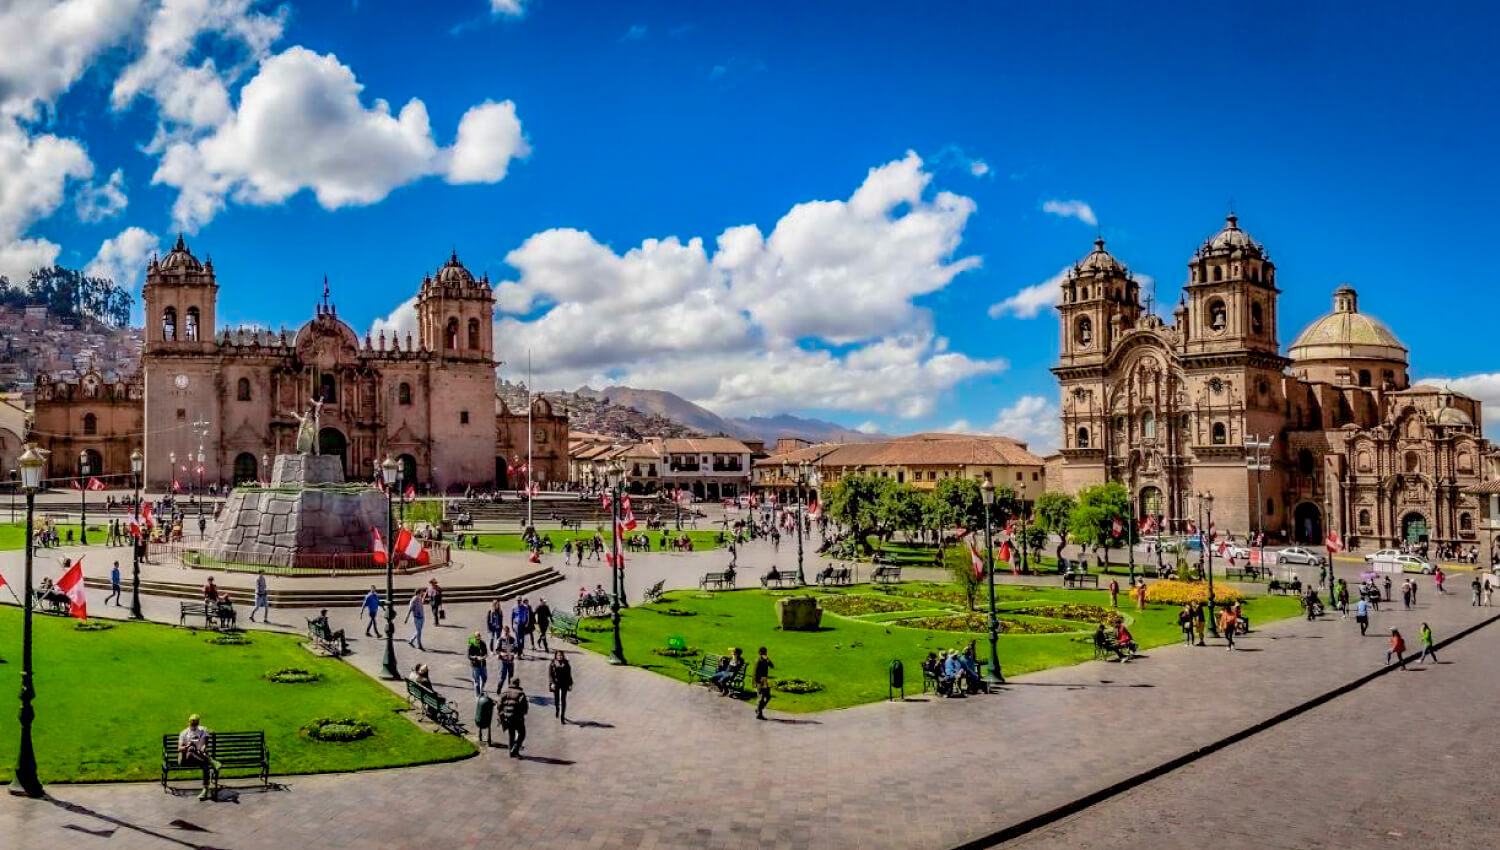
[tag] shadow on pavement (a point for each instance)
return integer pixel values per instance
(77, 809)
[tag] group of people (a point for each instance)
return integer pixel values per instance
(956, 673)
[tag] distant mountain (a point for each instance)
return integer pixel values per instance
(768, 428)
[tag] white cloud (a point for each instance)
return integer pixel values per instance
(123, 258)
(1072, 209)
(301, 125)
(1032, 419)
(508, 8)
(401, 321)
(869, 426)
(36, 171)
(1030, 301)
(45, 46)
(979, 168)
(102, 201)
(1484, 386)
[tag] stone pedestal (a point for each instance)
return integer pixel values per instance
(799, 613)
(307, 469)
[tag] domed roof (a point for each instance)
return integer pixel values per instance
(1347, 334)
(1099, 260)
(1453, 418)
(1232, 238)
(453, 273)
(181, 258)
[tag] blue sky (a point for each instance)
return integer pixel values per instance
(606, 136)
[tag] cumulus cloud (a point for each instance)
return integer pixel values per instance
(1484, 386)
(105, 200)
(1030, 301)
(45, 46)
(1072, 209)
(1032, 419)
(37, 169)
(508, 8)
(401, 321)
(489, 137)
(123, 257)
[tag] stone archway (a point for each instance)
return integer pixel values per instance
(1149, 502)
(1414, 528)
(1307, 524)
(246, 469)
(331, 441)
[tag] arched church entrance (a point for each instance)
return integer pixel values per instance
(1308, 523)
(245, 468)
(1149, 503)
(501, 479)
(331, 441)
(1414, 528)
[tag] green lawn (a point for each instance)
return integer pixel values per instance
(104, 699)
(850, 654)
(13, 534)
(702, 540)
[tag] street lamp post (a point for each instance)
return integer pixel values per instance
(616, 483)
(201, 493)
(987, 491)
(25, 782)
(390, 473)
(1258, 460)
(1207, 500)
(83, 497)
(801, 482)
(137, 465)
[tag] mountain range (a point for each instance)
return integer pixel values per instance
(767, 428)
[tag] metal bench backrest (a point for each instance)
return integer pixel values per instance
(237, 746)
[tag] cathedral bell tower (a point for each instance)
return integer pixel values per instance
(456, 314)
(1231, 295)
(1100, 300)
(180, 297)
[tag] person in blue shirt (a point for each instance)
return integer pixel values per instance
(520, 621)
(1362, 615)
(114, 585)
(371, 607)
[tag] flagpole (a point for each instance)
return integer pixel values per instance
(529, 522)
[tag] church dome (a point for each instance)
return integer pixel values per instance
(181, 258)
(1452, 417)
(1231, 239)
(453, 273)
(1099, 260)
(1347, 334)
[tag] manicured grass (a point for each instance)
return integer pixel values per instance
(13, 534)
(849, 656)
(104, 699)
(702, 540)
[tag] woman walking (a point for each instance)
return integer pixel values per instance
(560, 680)
(494, 621)
(1425, 636)
(416, 615)
(1398, 649)
(763, 666)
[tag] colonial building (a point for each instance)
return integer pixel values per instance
(98, 416)
(1176, 410)
(429, 401)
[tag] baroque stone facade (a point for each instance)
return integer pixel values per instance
(100, 414)
(429, 401)
(1170, 409)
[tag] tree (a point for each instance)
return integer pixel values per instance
(898, 509)
(1092, 520)
(69, 293)
(1053, 511)
(967, 581)
(853, 501)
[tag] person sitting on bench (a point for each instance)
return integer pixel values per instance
(320, 623)
(419, 676)
(727, 670)
(192, 749)
(225, 611)
(1124, 642)
(825, 574)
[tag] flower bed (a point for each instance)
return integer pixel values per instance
(229, 639)
(674, 652)
(92, 626)
(1182, 592)
(338, 729)
(797, 686)
(292, 676)
(1067, 611)
(854, 605)
(977, 623)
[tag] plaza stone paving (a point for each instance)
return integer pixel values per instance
(654, 763)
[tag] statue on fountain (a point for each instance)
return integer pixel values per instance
(307, 429)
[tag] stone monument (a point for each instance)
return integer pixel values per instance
(799, 613)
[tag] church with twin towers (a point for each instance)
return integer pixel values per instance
(1181, 409)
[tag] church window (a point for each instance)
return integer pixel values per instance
(1257, 318)
(403, 393)
(1270, 507)
(1221, 435)
(1364, 377)
(463, 417)
(1364, 462)
(1306, 463)
(169, 324)
(1218, 273)
(1364, 519)
(1083, 438)
(1085, 332)
(1465, 522)
(1148, 424)
(90, 423)
(1218, 315)
(327, 388)
(1413, 463)
(190, 325)
(474, 334)
(1388, 379)
(242, 389)
(1465, 462)
(450, 338)
(1119, 425)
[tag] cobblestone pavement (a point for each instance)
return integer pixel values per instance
(1406, 761)
(654, 763)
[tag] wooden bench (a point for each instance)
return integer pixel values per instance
(779, 578)
(1078, 579)
(333, 643)
(886, 575)
(841, 575)
(717, 581)
(1285, 587)
(50, 603)
(434, 706)
(232, 751)
(565, 626)
(592, 605)
(706, 666)
(209, 613)
(1246, 572)
(653, 593)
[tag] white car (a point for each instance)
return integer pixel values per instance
(1381, 555)
(1403, 564)
(1239, 553)
(1298, 555)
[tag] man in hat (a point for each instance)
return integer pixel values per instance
(192, 749)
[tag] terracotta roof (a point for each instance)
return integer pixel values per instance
(930, 449)
(702, 445)
(1485, 488)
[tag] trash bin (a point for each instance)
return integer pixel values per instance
(484, 714)
(897, 680)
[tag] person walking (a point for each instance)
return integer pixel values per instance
(505, 651)
(560, 681)
(542, 618)
(1140, 595)
(114, 585)
(262, 601)
(1388, 588)
(1228, 622)
(435, 598)
(415, 612)
(1406, 594)
(513, 705)
(479, 667)
(1474, 589)
(494, 622)
(1362, 615)
(1397, 649)
(763, 667)
(1425, 637)
(1114, 593)
(1438, 577)
(520, 618)
(1200, 621)
(370, 605)
(1185, 623)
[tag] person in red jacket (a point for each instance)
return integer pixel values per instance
(1398, 649)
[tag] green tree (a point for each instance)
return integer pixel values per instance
(1053, 512)
(852, 502)
(898, 508)
(1092, 520)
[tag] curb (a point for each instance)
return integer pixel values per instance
(1072, 807)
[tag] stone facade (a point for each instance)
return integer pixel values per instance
(428, 401)
(1168, 410)
(307, 510)
(97, 413)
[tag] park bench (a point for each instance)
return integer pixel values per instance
(593, 605)
(232, 751)
(434, 707)
(653, 593)
(841, 575)
(333, 643)
(1105, 646)
(565, 626)
(886, 575)
(1078, 565)
(704, 668)
(1079, 579)
(717, 581)
(1248, 571)
(51, 603)
(779, 578)
(1285, 587)
(211, 615)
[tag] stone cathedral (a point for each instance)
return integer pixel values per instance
(1168, 409)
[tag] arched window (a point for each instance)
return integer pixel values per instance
(403, 393)
(1364, 377)
(1306, 463)
(242, 389)
(1218, 315)
(474, 334)
(1413, 463)
(1388, 379)
(169, 324)
(1148, 424)
(1270, 507)
(1465, 522)
(1085, 332)
(327, 388)
(1083, 438)
(245, 468)
(1221, 435)
(1364, 519)
(1257, 318)
(90, 423)
(190, 325)
(450, 338)
(1218, 273)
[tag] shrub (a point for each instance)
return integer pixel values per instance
(797, 686)
(92, 626)
(229, 639)
(1181, 592)
(675, 652)
(292, 676)
(338, 729)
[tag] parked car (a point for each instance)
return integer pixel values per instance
(1298, 555)
(1239, 553)
(1403, 564)
(1381, 555)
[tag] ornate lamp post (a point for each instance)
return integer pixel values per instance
(201, 493)
(1258, 460)
(137, 465)
(25, 782)
(1207, 500)
(390, 473)
(798, 474)
(172, 461)
(616, 474)
(987, 491)
(83, 497)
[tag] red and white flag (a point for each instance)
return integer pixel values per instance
(96, 485)
(76, 483)
(627, 516)
(176, 486)
(604, 501)
(533, 489)
(1190, 527)
(71, 585)
(815, 512)
(411, 547)
(976, 560)
(1334, 542)
(1010, 527)
(377, 550)
(1116, 527)
(1222, 549)
(1148, 525)
(199, 469)
(410, 495)
(146, 516)
(1008, 555)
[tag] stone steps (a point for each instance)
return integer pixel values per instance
(283, 597)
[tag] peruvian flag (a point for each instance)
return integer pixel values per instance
(1222, 549)
(410, 495)
(71, 584)
(176, 486)
(533, 488)
(1008, 555)
(1116, 527)
(146, 515)
(815, 512)
(604, 502)
(411, 547)
(1010, 527)
(975, 560)
(198, 469)
(1334, 542)
(378, 547)
(1148, 525)
(96, 485)
(1190, 527)
(76, 483)
(627, 516)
